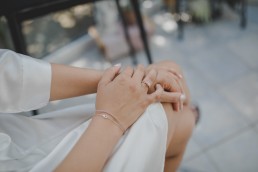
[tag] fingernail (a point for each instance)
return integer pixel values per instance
(118, 65)
(180, 76)
(182, 98)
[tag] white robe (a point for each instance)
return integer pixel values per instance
(40, 143)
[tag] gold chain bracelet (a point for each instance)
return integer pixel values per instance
(106, 115)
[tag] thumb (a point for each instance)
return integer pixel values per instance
(110, 74)
(166, 97)
(170, 97)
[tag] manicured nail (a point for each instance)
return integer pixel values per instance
(182, 98)
(118, 65)
(180, 76)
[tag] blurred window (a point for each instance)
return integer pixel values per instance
(46, 34)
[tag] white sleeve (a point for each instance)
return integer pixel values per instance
(24, 82)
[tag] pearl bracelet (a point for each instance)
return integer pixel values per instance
(109, 116)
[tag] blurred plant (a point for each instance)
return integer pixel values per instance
(169, 5)
(200, 10)
(46, 34)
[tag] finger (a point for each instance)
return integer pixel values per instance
(110, 74)
(150, 78)
(176, 107)
(155, 96)
(128, 71)
(179, 105)
(181, 87)
(176, 84)
(166, 97)
(177, 99)
(172, 71)
(139, 73)
(182, 100)
(145, 86)
(169, 83)
(169, 97)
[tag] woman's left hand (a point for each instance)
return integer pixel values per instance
(170, 81)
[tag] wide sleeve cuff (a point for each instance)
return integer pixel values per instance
(36, 83)
(25, 82)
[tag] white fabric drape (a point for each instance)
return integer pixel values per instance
(41, 142)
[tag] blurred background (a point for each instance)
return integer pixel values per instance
(214, 41)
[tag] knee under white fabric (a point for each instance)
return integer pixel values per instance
(39, 144)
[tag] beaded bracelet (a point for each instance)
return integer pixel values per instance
(109, 116)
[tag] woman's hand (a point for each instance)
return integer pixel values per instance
(170, 80)
(125, 95)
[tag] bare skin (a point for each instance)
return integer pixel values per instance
(180, 121)
(126, 108)
(180, 126)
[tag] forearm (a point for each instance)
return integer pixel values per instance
(94, 147)
(70, 81)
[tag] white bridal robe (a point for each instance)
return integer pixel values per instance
(39, 143)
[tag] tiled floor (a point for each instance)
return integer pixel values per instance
(221, 65)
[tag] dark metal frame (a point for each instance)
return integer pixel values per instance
(16, 16)
(127, 36)
(180, 7)
(243, 10)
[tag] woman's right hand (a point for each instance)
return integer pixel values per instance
(125, 95)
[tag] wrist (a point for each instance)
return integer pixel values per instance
(107, 126)
(106, 115)
(90, 79)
